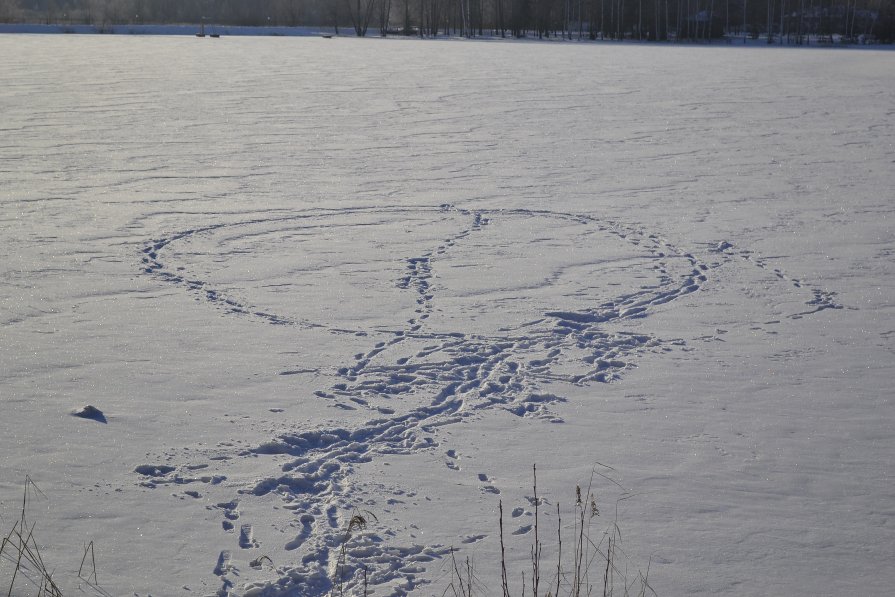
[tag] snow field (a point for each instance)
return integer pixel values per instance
(304, 278)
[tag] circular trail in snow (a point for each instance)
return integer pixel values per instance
(450, 270)
(465, 310)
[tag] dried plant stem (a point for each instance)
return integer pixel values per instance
(503, 557)
(20, 547)
(536, 547)
(575, 580)
(558, 549)
(606, 573)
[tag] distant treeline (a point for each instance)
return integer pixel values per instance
(792, 21)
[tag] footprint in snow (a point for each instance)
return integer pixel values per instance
(472, 539)
(332, 515)
(488, 488)
(247, 538)
(224, 563)
(231, 513)
(306, 521)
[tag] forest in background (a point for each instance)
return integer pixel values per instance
(792, 21)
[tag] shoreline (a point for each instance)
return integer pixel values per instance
(306, 31)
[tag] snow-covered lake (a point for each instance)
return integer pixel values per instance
(306, 278)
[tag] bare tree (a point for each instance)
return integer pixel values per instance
(385, 13)
(289, 12)
(9, 11)
(360, 11)
(501, 24)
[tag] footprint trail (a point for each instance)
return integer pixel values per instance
(441, 357)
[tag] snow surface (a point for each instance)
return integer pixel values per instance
(303, 278)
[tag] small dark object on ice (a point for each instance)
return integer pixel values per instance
(257, 563)
(90, 412)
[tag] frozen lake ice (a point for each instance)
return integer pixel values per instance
(304, 278)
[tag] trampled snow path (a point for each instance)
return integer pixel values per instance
(422, 370)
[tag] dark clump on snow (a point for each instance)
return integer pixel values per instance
(90, 412)
(154, 470)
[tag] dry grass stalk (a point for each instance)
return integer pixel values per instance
(586, 552)
(462, 578)
(358, 522)
(536, 547)
(88, 548)
(21, 549)
(503, 558)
